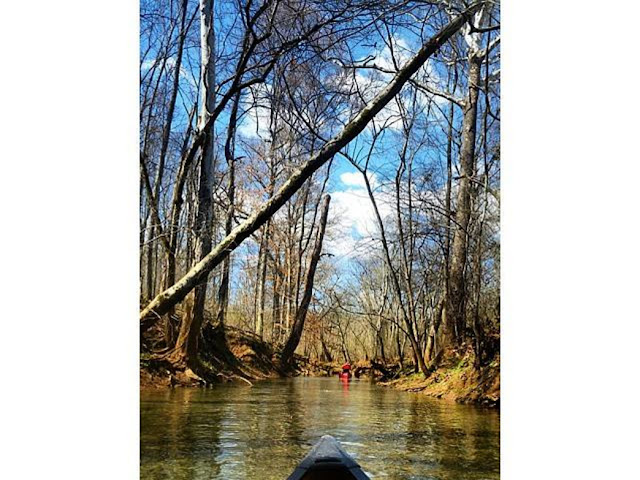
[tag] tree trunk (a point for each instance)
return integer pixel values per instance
(156, 228)
(477, 328)
(447, 245)
(171, 296)
(301, 313)
(170, 329)
(229, 152)
(432, 336)
(478, 332)
(262, 280)
(457, 297)
(275, 305)
(399, 349)
(185, 351)
(152, 217)
(326, 354)
(407, 319)
(406, 261)
(383, 357)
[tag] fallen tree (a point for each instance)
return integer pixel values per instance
(163, 302)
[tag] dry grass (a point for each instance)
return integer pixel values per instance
(459, 382)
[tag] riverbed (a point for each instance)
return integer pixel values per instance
(239, 432)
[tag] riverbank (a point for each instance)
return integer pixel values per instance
(250, 359)
(458, 381)
(243, 358)
(247, 359)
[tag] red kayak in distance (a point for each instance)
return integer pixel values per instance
(346, 372)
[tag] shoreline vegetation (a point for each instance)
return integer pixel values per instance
(320, 183)
(253, 359)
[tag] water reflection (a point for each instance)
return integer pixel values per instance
(237, 432)
(179, 435)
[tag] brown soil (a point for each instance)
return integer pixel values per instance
(457, 381)
(249, 358)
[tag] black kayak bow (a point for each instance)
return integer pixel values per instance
(328, 461)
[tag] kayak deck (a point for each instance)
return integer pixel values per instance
(328, 461)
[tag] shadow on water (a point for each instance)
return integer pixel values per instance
(237, 432)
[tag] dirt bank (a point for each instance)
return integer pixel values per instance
(251, 359)
(457, 381)
(247, 359)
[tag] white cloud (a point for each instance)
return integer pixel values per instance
(255, 123)
(371, 82)
(356, 214)
(355, 222)
(355, 179)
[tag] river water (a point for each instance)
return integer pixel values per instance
(239, 432)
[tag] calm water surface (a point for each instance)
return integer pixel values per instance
(262, 432)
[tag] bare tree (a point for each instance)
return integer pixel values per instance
(180, 289)
(301, 313)
(241, 122)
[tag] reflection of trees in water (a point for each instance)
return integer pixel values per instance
(274, 421)
(263, 431)
(424, 453)
(294, 410)
(268, 419)
(200, 440)
(179, 436)
(453, 441)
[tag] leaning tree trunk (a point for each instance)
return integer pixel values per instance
(171, 296)
(406, 317)
(301, 313)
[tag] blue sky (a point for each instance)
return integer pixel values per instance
(350, 203)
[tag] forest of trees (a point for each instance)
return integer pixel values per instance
(251, 111)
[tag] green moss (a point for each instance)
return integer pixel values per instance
(462, 364)
(145, 357)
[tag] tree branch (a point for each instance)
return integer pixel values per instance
(171, 296)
